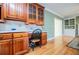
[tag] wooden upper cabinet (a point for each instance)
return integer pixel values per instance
(40, 15)
(35, 14)
(30, 13)
(21, 11)
(10, 11)
(14, 11)
(31, 19)
(1, 13)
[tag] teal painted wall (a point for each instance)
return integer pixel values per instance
(20, 26)
(49, 24)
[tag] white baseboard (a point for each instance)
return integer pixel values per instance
(50, 38)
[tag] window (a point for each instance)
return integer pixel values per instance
(66, 22)
(70, 24)
(77, 19)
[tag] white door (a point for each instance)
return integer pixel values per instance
(58, 27)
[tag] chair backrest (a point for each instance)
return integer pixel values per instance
(36, 34)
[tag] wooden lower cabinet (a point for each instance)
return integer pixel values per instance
(17, 43)
(44, 42)
(20, 45)
(44, 38)
(14, 43)
(5, 47)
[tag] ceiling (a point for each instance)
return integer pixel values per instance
(63, 9)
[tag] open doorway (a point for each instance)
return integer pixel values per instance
(58, 27)
(58, 33)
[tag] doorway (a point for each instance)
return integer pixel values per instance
(58, 33)
(57, 27)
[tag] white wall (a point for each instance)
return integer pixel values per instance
(69, 32)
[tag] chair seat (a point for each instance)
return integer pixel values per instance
(36, 40)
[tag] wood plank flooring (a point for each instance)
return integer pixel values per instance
(58, 46)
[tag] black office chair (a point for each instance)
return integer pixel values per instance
(35, 37)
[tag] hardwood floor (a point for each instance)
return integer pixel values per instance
(58, 46)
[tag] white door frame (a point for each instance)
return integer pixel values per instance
(57, 27)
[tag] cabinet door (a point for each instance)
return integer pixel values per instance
(44, 42)
(11, 10)
(40, 20)
(44, 38)
(21, 12)
(1, 13)
(32, 13)
(15, 11)
(20, 45)
(5, 47)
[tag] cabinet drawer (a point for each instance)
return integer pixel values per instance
(18, 35)
(5, 36)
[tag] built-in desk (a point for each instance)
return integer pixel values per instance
(17, 42)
